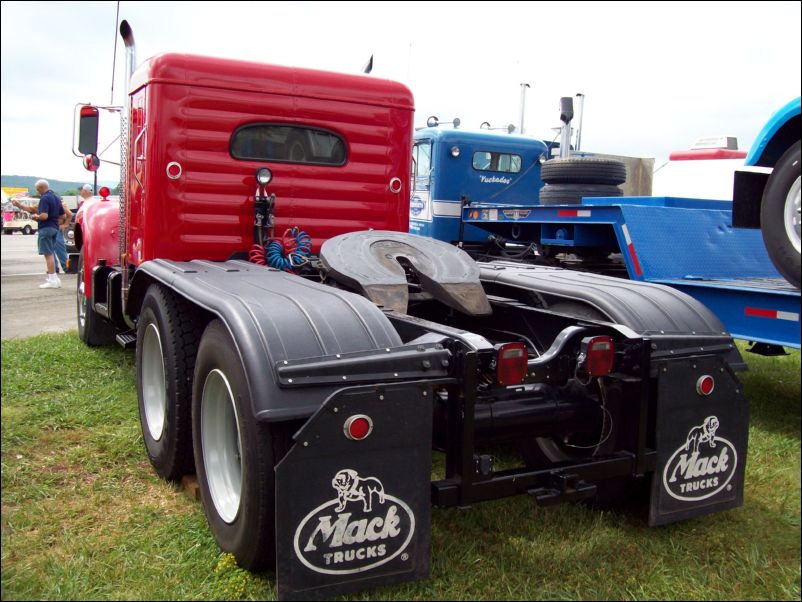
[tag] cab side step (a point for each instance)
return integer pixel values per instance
(127, 339)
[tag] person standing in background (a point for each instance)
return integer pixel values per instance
(47, 214)
(61, 245)
(86, 193)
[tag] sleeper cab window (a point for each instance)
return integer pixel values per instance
(490, 161)
(287, 144)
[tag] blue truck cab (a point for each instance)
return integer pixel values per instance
(452, 166)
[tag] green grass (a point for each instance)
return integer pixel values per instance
(84, 517)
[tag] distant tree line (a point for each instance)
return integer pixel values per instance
(60, 187)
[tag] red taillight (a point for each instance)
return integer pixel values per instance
(511, 363)
(599, 354)
(705, 385)
(358, 427)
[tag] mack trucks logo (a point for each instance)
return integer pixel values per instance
(702, 466)
(362, 528)
(494, 180)
(516, 213)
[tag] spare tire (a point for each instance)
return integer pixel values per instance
(590, 170)
(571, 194)
(779, 215)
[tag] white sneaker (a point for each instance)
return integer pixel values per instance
(55, 283)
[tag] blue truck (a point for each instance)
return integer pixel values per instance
(454, 167)
(572, 211)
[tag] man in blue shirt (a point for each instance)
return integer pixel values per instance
(47, 214)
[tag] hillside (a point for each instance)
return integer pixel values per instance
(58, 186)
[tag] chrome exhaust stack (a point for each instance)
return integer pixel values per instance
(524, 86)
(127, 35)
(566, 115)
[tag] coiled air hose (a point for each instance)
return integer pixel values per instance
(288, 253)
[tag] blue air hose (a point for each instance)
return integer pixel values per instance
(291, 252)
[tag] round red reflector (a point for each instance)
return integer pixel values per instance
(358, 427)
(705, 385)
(173, 170)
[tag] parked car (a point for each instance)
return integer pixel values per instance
(21, 222)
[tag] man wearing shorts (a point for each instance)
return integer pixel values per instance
(47, 214)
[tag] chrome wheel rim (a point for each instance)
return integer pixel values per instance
(154, 392)
(82, 301)
(791, 215)
(220, 439)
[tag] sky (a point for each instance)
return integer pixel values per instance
(655, 76)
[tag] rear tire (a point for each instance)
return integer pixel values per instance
(235, 455)
(168, 331)
(93, 329)
(780, 215)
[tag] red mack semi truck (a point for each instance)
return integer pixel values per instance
(305, 356)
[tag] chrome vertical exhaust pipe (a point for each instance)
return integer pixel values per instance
(524, 86)
(127, 35)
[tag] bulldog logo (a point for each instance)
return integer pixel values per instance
(350, 487)
(706, 433)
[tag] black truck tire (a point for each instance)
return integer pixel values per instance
(27, 230)
(588, 170)
(235, 455)
(571, 194)
(93, 329)
(168, 331)
(780, 215)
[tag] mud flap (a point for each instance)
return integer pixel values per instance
(701, 440)
(353, 514)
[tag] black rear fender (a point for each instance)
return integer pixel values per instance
(275, 317)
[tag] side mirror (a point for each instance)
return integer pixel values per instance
(88, 123)
(91, 162)
(566, 109)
